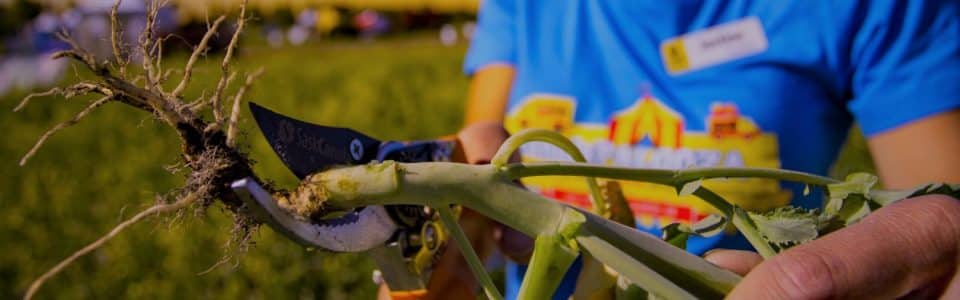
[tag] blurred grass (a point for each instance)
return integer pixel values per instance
(90, 176)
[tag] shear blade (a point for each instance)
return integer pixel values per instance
(368, 228)
(309, 148)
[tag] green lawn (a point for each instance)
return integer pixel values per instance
(89, 177)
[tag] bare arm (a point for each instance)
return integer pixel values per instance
(920, 152)
(488, 94)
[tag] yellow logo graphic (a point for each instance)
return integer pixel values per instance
(544, 111)
(649, 134)
(674, 56)
(725, 122)
(648, 118)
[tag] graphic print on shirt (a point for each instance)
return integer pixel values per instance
(649, 134)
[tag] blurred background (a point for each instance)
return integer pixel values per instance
(390, 68)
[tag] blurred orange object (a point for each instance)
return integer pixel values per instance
(408, 295)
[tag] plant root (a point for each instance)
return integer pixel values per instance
(43, 138)
(208, 147)
(235, 112)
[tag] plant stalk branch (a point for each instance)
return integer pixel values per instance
(450, 222)
(660, 176)
(512, 144)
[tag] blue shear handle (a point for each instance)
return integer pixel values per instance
(420, 151)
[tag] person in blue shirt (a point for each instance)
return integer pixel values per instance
(678, 84)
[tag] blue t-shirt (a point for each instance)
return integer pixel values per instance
(677, 84)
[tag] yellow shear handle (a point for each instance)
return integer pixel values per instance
(409, 295)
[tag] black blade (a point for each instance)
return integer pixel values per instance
(308, 148)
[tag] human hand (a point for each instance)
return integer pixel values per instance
(909, 248)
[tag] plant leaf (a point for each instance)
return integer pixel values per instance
(884, 198)
(787, 226)
(689, 187)
(709, 226)
(677, 234)
(856, 183)
(855, 207)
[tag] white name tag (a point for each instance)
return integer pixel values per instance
(714, 45)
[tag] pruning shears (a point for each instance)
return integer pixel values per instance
(401, 239)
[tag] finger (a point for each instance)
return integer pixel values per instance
(897, 249)
(737, 261)
(513, 244)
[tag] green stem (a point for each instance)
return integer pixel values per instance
(633, 270)
(485, 190)
(542, 135)
(661, 176)
(549, 263)
(635, 254)
(478, 187)
(749, 230)
(739, 218)
(449, 221)
(716, 201)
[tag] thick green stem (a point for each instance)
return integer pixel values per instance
(633, 270)
(696, 276)
(478, 187)
(484, 190)
(542, 135)
(661, 176)
(552, 256)
(553, 253)
(449, 221)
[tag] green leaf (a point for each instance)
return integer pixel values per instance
(855, 207)
(952, 190)
(745, 224)
(856, 183)
(629, 290)
(787, 226)
(689, 187)
(677, 234)
(884, 198)
(709, 226)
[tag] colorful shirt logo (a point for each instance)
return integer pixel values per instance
(649, 134)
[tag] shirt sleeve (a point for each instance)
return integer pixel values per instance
(905, 63)
(494, 38)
